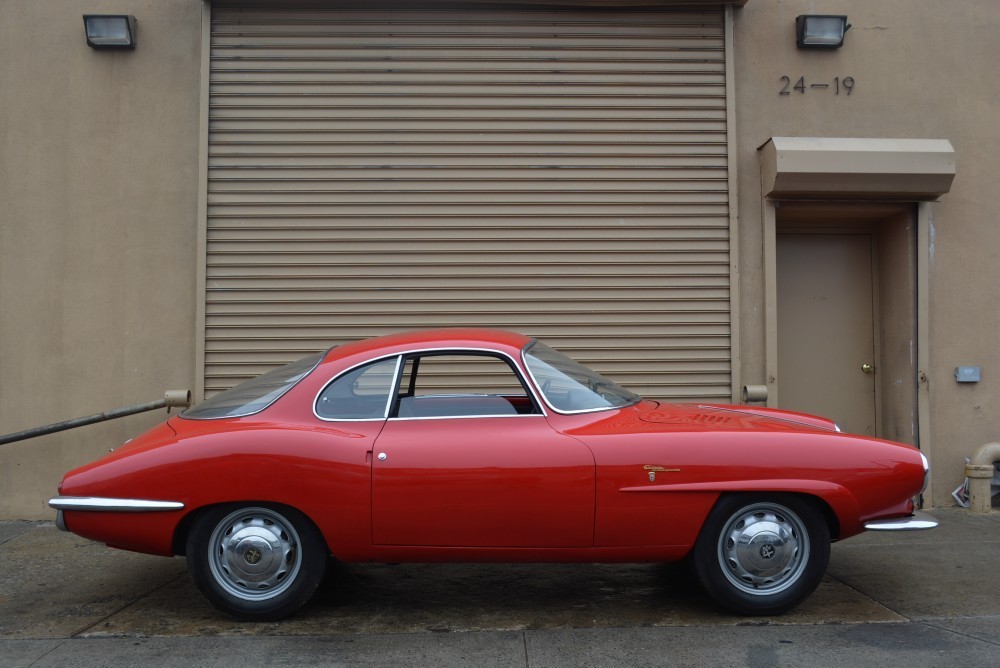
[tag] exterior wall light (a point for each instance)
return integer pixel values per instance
(820, 31)
(110, 31)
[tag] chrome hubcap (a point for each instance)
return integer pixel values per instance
(763, 549)
(254, 554)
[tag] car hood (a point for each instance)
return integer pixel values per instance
(723, 416)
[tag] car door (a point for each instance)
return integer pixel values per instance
(467, 459)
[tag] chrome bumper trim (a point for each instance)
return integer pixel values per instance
(918, 521)
(100, 504)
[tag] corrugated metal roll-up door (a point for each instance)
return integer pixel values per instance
(560, 173)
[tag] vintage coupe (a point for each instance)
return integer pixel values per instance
(484, 446)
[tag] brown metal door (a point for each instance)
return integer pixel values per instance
(826, 328)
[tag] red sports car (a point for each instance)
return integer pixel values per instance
(485, 446)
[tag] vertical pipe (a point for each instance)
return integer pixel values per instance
(735, 357)
(925, 253)
(202, 259)
(770, 300)
(980, 474)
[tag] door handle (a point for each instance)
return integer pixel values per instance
(868, 368)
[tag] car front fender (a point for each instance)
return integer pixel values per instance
(838, 498)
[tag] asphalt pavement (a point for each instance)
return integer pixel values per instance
(917, 599)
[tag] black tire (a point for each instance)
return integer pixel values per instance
(762, 554)
(256, 562)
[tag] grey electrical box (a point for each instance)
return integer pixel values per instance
(967, 374)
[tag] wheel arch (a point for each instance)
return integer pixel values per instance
(832, 521)
(182, 530)
(817, 501)
(839, 506)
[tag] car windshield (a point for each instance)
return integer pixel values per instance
(570, 387)
(254, 395)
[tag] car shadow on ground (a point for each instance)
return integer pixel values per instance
(453, 597)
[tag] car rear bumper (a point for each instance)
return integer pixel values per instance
(918, 521)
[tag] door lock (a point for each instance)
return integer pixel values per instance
(868, 368)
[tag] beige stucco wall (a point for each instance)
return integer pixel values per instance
(98, 208)
(922, 69)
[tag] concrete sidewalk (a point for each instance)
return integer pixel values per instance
(916, 599)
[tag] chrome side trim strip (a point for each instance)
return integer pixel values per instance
(918, 521)
(100, 504)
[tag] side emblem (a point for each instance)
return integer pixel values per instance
(653, 470)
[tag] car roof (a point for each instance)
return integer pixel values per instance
(493, 339)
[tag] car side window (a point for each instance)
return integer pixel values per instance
(461, 385)
(360, 394)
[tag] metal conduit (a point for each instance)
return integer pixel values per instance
(171, 399)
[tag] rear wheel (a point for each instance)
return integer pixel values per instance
(761, 555)
(257, 563)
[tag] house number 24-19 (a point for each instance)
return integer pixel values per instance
(845, 84)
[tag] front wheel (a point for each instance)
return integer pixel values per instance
(257, 563)
(762, 555)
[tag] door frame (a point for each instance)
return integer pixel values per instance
(921, 215)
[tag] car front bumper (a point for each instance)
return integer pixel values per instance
(918, 521)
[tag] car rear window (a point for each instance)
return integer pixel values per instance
(254, 395)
